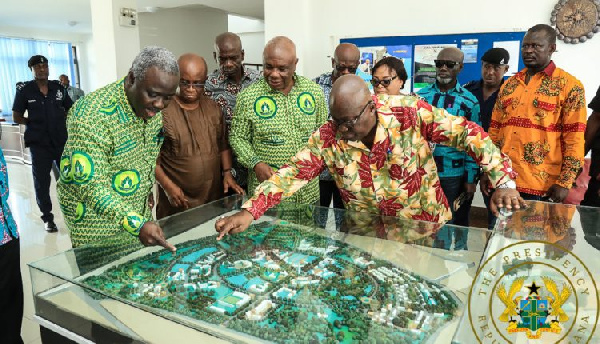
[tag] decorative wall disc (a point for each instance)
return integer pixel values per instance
(576, 21)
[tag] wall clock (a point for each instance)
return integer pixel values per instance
(576, 21)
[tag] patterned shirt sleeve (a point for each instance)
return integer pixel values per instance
(322, 109)
(438, 126)
(471, 167)
(574, 116)
(240, 136)
(89, 150)
(306, 165)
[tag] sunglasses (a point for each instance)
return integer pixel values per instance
(447, 63)
(186, 84)
(343, 68)
(384, 82)
(350, 123)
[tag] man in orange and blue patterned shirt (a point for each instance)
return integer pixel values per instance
(377, 150)
(539, 121)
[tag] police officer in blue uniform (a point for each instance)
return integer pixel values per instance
(47, 103)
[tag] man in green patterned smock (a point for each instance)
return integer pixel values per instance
(275, 116)
(107, 167)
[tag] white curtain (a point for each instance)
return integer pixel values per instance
(14, 54)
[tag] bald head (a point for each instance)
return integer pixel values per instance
(228, 40)
(350, 91)
(193, 72)
(346, 59)
(279, 59)
(192, 63)
(348, 103)
(451, 54)
(229, 55)
(280, 46)
(346, 52)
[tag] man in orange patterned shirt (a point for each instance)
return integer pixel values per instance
(539, 121)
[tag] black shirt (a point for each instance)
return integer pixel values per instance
(595, 106)
(47, 115)
(485, 107)
(595, 145)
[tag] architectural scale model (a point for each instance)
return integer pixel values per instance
(280, 284)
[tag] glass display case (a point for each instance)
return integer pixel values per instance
(299, 274)
(538, 279)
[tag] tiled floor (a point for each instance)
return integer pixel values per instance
(35, 242)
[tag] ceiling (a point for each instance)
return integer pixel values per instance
(74, 15)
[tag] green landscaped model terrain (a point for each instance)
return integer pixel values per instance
(278, 283)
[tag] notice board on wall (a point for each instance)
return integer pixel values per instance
(418, 53)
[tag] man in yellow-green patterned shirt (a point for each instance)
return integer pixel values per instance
(107, 167)
(275, 116)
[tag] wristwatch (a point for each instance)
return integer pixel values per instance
(508, 185)
(231, 170)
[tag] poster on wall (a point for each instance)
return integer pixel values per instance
(370, 56)
(469, 48)
(424, 64)
(514, 51)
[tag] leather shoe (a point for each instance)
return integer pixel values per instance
(51, 227)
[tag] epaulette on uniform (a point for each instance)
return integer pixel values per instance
(21, 84)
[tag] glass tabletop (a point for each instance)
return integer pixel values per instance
(298, 274)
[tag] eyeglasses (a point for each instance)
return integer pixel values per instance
(186, 84)
(343, 68)
(350, 123)
(447, 63)
(384, 82)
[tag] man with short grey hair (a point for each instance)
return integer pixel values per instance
(107, 167)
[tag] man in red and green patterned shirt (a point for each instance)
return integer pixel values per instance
(377, 150)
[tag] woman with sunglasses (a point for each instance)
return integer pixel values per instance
(388, 76)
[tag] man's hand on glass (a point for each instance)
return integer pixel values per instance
(506, 198)
(233, 224)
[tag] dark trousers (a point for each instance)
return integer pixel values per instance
(43, 160)
(591, 198)
(11, 293)
(328, 190)
(453, 187)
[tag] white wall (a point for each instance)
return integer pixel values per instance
(82, 41)
(317, 25)
(183, 30)
(252, 34)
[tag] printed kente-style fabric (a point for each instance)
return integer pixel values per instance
(8, 226)
(270, 127)
(398, 175)
(224, 92)
(540, 126)
(457, 101)
(107, 169)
